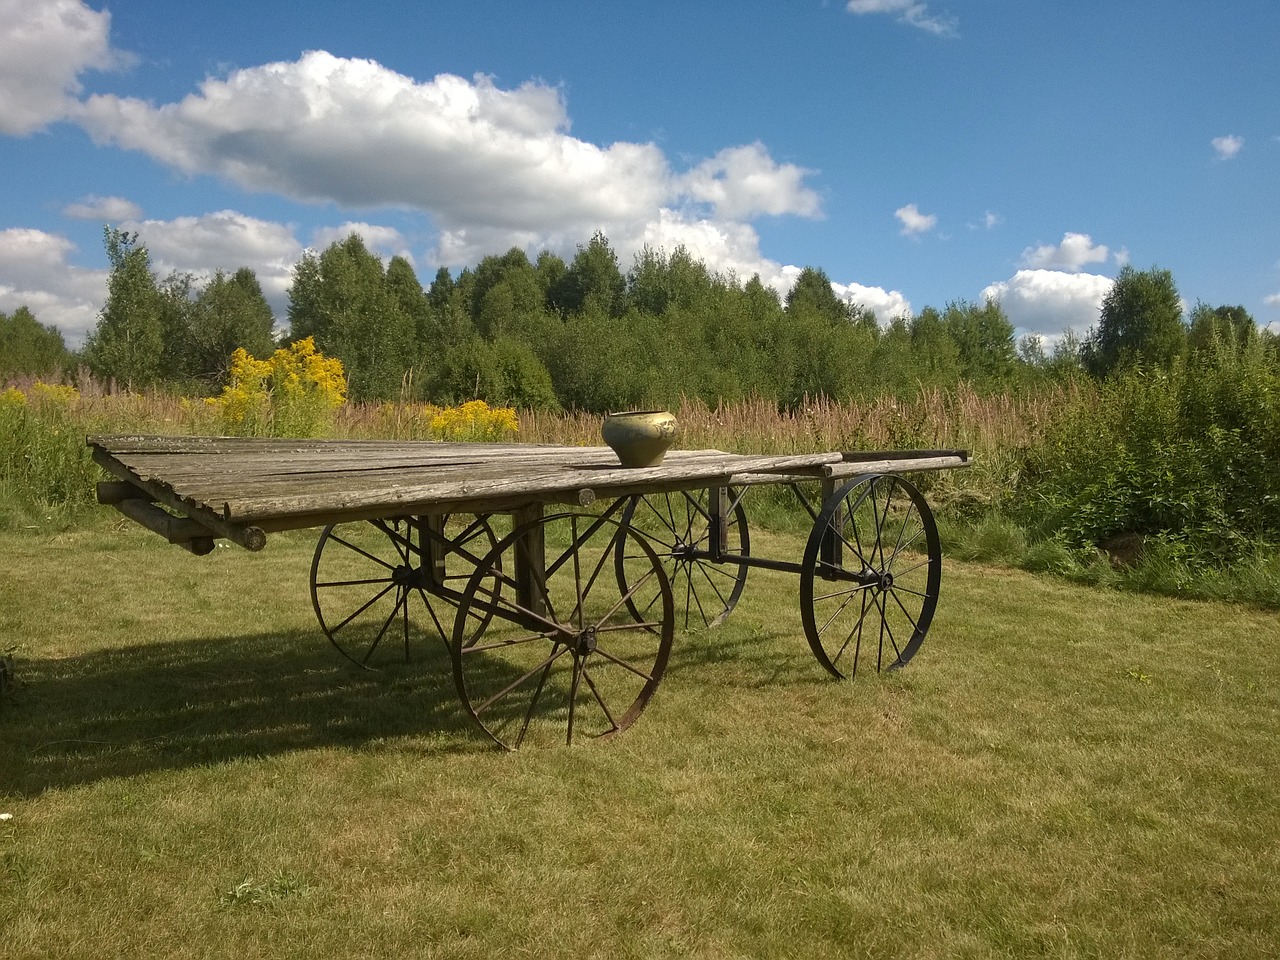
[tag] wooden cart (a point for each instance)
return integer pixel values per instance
(555, 577)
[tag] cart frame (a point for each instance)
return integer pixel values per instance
(566, 622)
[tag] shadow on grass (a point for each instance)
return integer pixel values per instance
(179, 704)
(731, 655)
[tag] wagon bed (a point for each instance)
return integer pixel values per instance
(243, 488)
(554, 576)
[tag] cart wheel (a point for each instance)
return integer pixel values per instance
(678, 525)
(871, 572)
(364, 577)
(562, 657)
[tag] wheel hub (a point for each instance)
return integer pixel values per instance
(585, 642)
(406, 575)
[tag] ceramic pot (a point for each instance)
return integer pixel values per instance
(640, 438)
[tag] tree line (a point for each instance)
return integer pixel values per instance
(584, 334)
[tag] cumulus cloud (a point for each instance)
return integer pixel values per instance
(741, 182)
(480, 160)
(910, 12)
(885, 304)
(326, 128)
(1273, 300)
(103, 209)
(44, 47)
(1228, 146)
(1076, 251)
(226, 240)
(57, 293)
(914, 223)
(385, 241)
(1050, 302)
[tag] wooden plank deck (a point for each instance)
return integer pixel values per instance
(243, 488)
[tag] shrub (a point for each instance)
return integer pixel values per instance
(292, 394)
(1188, 456)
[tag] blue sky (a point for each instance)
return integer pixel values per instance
(918, 152)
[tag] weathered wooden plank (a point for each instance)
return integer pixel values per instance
(249, 537)
(903, 465)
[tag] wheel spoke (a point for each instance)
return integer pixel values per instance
(365, 606)
(648, 678)
(595, 692)
(515, 684)
(386, 625)
(857, 629)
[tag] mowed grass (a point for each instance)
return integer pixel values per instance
(192, 771)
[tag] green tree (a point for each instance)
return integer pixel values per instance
(1234, 325)
(176, 323)
(812, 292)
(1140, 324)
(29, 348)
(342, 298)
(935, 353)
(127, 344)
(229, 312)
(984, 340)
(592, 281)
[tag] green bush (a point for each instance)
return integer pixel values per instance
(1189, 456)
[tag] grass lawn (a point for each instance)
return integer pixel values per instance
(192, 771)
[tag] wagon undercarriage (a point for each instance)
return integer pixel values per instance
(555, 578)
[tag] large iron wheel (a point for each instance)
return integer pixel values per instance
(871, 573)
(678, 525)
(562, 658)
(365, 577)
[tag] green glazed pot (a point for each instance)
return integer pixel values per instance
(640, 438)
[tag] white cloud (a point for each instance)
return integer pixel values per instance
(351, 131)
(491, 168)
(913, 221)
(911, 12)
(35, 273)
(1273, 300)
(103, 209)
(741, 182)
(885, 304)
(44, 47)
(481, 161)
(1228, 146)
(1050, 302)
(1074, 252)
(226, 240)
(385, 241)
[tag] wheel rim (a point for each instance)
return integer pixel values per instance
(678, 526)
(369, 587)
(873, 597)
(563, 659)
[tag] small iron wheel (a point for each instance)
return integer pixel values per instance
(365, 576)
(563, 658)
(678, 526)
(870, 578)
